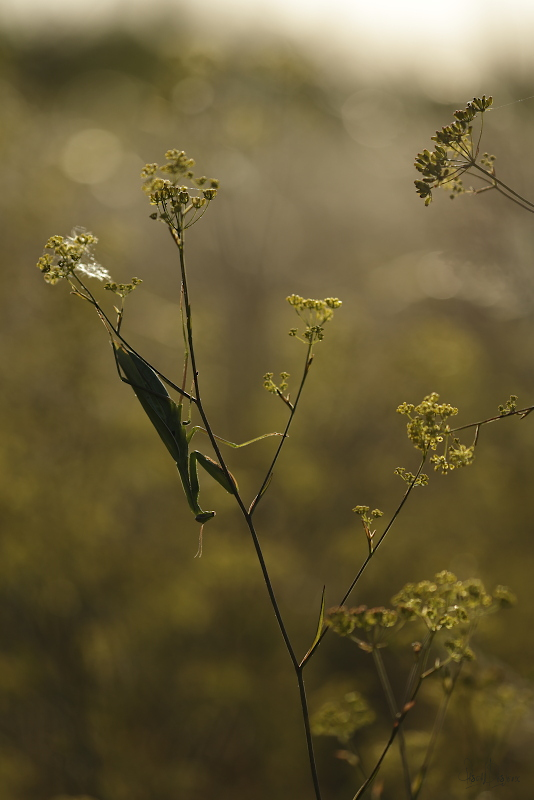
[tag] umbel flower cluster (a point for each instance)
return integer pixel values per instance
(342, 719)
(71, 254)
(428, 427)
(314, 314)
(455, 153)
(441, 603)
(72, 258)
(368, 519)
(179, 206)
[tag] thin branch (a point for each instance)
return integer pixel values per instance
(517, 202)
(501, 183)
(438, 725)
(293, 408)
(394, 731)
(179, 241)
(479, 136)
(388, 691)
(112, 329)
(369, 557)
(521, 413)
(459, 147)
(419, 665)
(400, 717)
(309, 740)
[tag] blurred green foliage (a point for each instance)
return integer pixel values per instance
(129, 670)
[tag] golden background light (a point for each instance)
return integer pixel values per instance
(128, 669)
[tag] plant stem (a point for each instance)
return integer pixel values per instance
(508, 197)
(374, 773)
(111, 329)
(396, 726)
(309, 740)
(388, 691)
(296, 666)
(293, 409)
(386, 531)
(438, 724)
(419, 666)
(360, 572)
(492, 183)
(501, 183)
(179, 240)
(521, 413)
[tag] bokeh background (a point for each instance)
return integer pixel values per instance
(128, 669)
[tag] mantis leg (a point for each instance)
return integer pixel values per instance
(187, 468)
(189, 474)
(243, 444)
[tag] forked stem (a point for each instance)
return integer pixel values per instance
(360, 572)
(178, 238)
(293, 408)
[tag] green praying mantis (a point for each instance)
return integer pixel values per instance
(166, 417)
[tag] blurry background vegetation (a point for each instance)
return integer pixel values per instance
(129, 670)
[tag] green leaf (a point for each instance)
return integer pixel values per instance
(216, 472)
(320, 626)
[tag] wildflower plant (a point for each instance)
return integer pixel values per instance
(457, 155)
(446, 612)
(446, 609)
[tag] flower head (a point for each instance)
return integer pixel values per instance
(71, 253)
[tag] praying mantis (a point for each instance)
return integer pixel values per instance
(166, 417)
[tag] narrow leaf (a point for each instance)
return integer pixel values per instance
(320, 626)
(217, 472)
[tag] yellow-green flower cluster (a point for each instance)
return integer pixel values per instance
(122, 289)
(446, 602)
(458, 650)
(314, 314)
(272, 387)
(368, 519)
(363, 512)
(71, 254)
(454, 154)
(344, 621)
(178, 205)
(343, 718)
(427, 424)
(409, 477)
(458, 455)
(427, 428)
(510, 407)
